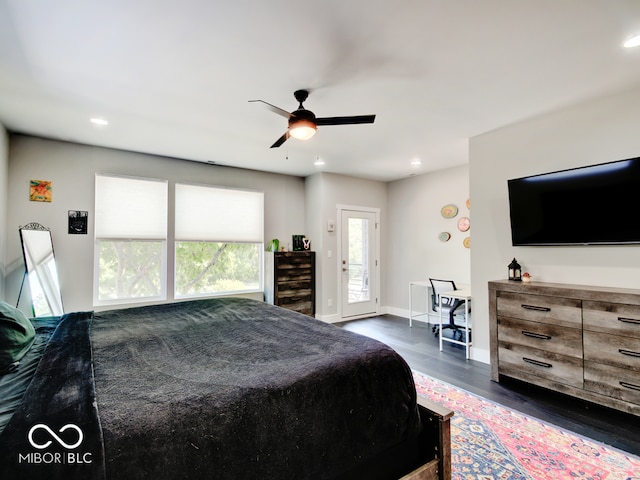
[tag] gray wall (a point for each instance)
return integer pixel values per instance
(597, 131)
(414, 250)
(324, 192)
(410, 217)
(72, 168)
(4, 198)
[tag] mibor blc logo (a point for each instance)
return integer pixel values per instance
(56, 437)
(69, 437)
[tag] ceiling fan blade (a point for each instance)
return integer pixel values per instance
(274, 109)
(281, 140)
(353, 120)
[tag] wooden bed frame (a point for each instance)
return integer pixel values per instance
(438, 430)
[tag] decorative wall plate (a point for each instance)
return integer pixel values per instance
(449, 211)
(444, 236)
(463, 224)
(467, 242)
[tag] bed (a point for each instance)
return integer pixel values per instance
(225, 388)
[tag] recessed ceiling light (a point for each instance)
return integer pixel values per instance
(318, 162)
(632, 42)
(416, 162)
(99, 121)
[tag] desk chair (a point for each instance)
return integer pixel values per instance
(449, 305)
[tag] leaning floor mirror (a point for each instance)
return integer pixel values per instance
(40, 270)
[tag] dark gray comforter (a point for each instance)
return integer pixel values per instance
(224, 388)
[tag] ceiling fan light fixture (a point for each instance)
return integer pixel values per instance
(632, 42)
(302, 124)
(99, 121)
(302, 129)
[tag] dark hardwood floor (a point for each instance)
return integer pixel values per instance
(419, 347)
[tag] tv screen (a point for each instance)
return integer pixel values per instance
(590, 205)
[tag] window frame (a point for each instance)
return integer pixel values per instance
(168, 267)
(259, 244)
(162, 296)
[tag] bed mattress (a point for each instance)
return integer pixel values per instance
(221, 388)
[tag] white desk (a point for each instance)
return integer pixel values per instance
(422, 284)
(463, 294)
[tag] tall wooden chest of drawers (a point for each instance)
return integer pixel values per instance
(290, 280)
(579, 340)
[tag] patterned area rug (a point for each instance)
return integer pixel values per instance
(490, 441)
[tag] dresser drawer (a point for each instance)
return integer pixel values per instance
(305, 307)
(550, 366)
(294, 274)
(541, 308)
(617, 350)
(300, 302)
(294, 296)
(541, 336)
(612, 381)
(612, 318)
(294, 260)
(294, 285)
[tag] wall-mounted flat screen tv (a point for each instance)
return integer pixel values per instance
(590, 205)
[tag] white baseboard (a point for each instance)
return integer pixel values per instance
(329, 318)
(481, 355)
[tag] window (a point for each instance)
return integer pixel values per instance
(218, 235)
(130, 239)
(219, 238)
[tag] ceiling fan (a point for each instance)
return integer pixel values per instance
(303, 123)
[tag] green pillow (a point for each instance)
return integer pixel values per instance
(16, 335)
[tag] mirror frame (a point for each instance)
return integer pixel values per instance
(44, 286)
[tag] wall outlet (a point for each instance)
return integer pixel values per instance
(329, 302)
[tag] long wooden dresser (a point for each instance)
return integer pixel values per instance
(580, 340)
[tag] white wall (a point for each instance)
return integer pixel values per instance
(4, 198)
(597, 131)
(415, 221)
(324, 192)
(72, 168)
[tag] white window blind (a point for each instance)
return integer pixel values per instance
(218, 214)
(130, 208)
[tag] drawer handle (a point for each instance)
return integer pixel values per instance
(539, 336)
(631, 353)
(537, 363)
(630, 385)
(536, 308)
(634, 321)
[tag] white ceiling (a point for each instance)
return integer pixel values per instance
(175, 77)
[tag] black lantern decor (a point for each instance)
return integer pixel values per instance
(515, 271)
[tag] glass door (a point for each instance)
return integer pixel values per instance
(358, 263)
